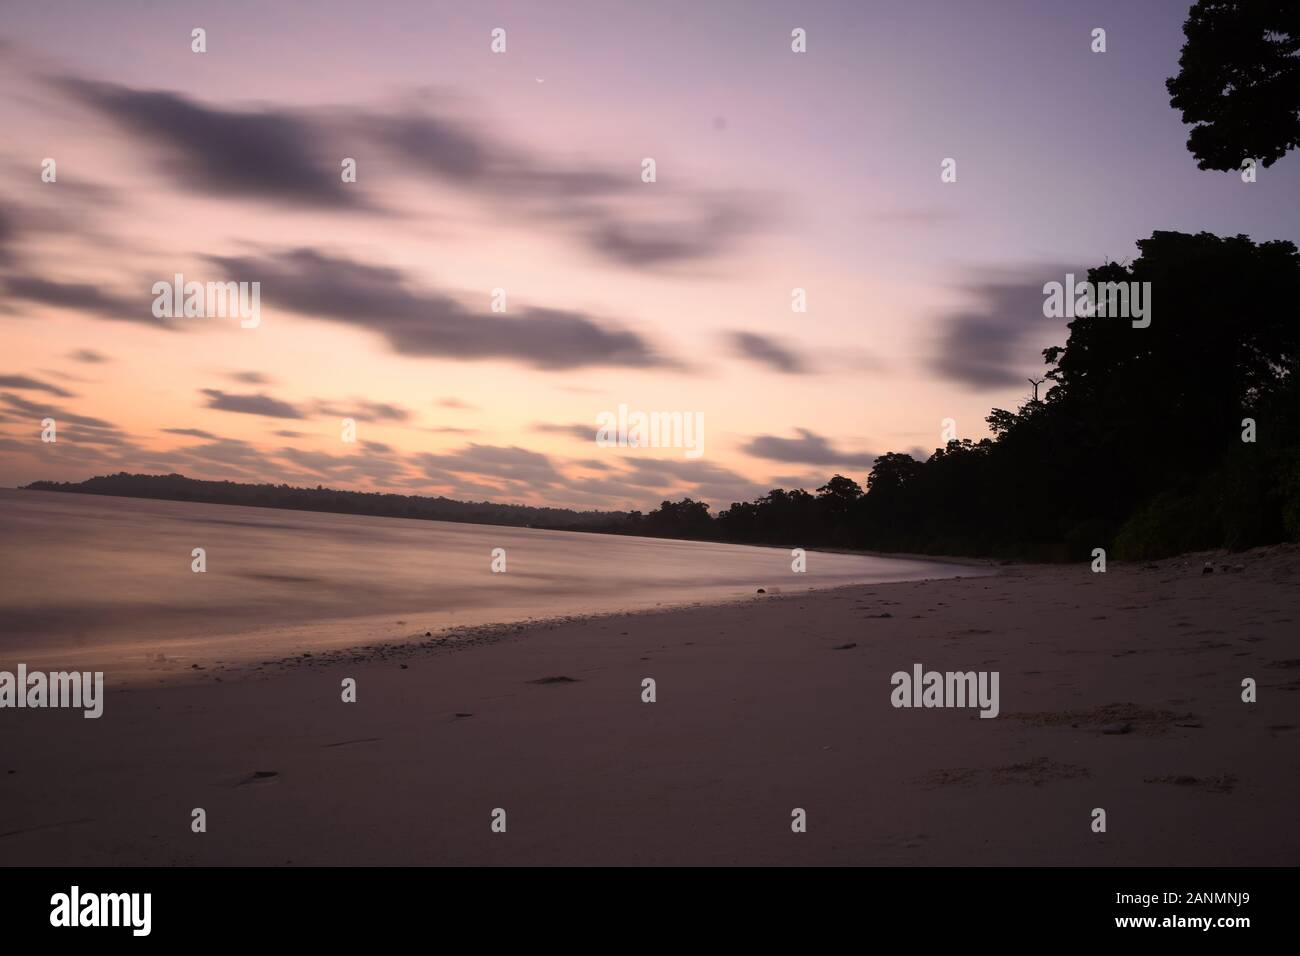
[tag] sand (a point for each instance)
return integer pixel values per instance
(1119, 691)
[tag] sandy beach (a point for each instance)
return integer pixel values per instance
(1119, 690)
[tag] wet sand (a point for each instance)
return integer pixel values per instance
(1119, 690)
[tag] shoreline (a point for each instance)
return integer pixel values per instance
(461, 638)
(1119, 691)
(275, 591)
(965, 560)
(191, 662)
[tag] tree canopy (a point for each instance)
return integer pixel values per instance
(1239, 81)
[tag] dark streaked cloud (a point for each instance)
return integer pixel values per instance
(363, 410)
(231, 454)
(714, 226)
(803, 482)
(26, 407)
(72, 429)
(250, 378)
(414, 322)
(88, 356)
(27, 383)
(8, 231)
(288, 155)
(608, 209)
(995, 343)
(259, 404)
(373, 465)
(767, 351)
(808, 449)
(269, 154)
(84, 297)
(700, 479)
(502, 463)
(580, 432)
(191, 433)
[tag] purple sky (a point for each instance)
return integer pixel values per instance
(521, 171)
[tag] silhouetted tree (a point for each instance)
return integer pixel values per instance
(679, 519)
(1239, 81)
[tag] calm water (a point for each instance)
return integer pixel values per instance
(88, 578)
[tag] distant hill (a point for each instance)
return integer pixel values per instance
(180, 488)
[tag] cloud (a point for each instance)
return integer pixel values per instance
(84, 297)
(32, 385)
(700, 479)
(8, 230)
(191, 432)
(809, 449)
(259, 404)
(287, 155)
(363, 411)
(501, 463)
(457, 404)
(581, 432)
(250, 378)
(268, 154)
(997, 341)
(33, 408)
(804, 482)
(768, 351)
(88, 356)
(229, 456)
(607, 209)
(413, 322)
(449, 149)
(373, 465)
(712, 228)
(74, 428)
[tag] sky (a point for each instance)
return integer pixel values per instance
(522, 171)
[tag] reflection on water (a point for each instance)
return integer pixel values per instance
(98, 573)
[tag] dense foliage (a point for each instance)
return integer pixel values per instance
(1137, 447)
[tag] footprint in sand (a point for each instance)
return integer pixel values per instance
(257, 778)
(1036, 771)
(1108, 719)
(1223, 783)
